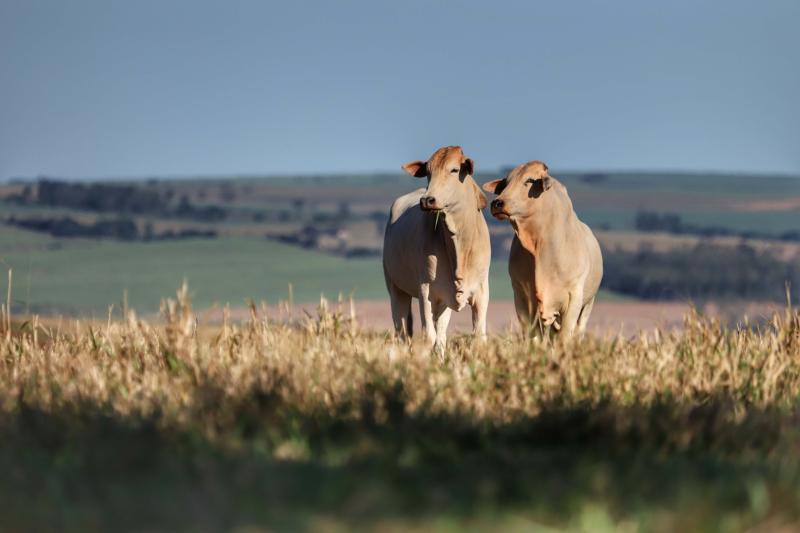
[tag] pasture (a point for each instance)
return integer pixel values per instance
(85, 277)
(287, 416)
(399, 267)
(81, 277)
(135, 424)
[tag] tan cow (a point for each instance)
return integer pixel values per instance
(555, 262)
(436, 247)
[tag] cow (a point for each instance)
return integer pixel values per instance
(436, 248)
(555, 263)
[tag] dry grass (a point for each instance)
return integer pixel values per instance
(323, 362)
(503, 431)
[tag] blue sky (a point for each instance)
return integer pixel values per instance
(168, 88)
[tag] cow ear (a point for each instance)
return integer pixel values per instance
(479, 195)
(418, 169)
(468, 167)
(495, 186)
(547, 179)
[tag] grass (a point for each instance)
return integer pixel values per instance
(85, 277)
(316, 425)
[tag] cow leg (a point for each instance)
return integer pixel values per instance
(401, 312)
(527, 310)
(441, 315)
(584, 318)
(480, 306)
(523, 313)
(426, 314)
(569, 321)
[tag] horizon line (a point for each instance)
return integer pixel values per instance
(10, 180)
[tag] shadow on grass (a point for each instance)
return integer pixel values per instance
(665, 466)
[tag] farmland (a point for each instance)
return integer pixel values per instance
(137, 425)
(120, 409)
(86, 277)
(341, 220)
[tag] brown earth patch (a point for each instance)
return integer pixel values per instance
(647, 200)
(782, 204)
(609, 317)
(665, 242)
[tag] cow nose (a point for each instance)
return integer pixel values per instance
(497, 204)
(428, 202)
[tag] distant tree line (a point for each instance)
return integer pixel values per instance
(206, 213)
(100, 197)
(647, 221)
(701, 272)
(124, 229)
(594, 178)
(116, 198)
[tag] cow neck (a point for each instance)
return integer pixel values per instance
(541, 233)
(459, 232)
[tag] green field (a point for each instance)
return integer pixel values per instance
(85, 277)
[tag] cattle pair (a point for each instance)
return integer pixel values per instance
(436, 248)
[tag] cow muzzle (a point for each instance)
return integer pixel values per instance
(499, 209)
(428, 203)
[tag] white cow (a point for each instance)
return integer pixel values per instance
(555, 262)
(436, 248)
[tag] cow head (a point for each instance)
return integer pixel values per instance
(519, 192)
(450, 183)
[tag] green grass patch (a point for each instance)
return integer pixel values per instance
(86, 277)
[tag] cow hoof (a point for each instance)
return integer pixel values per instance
(438, 350)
